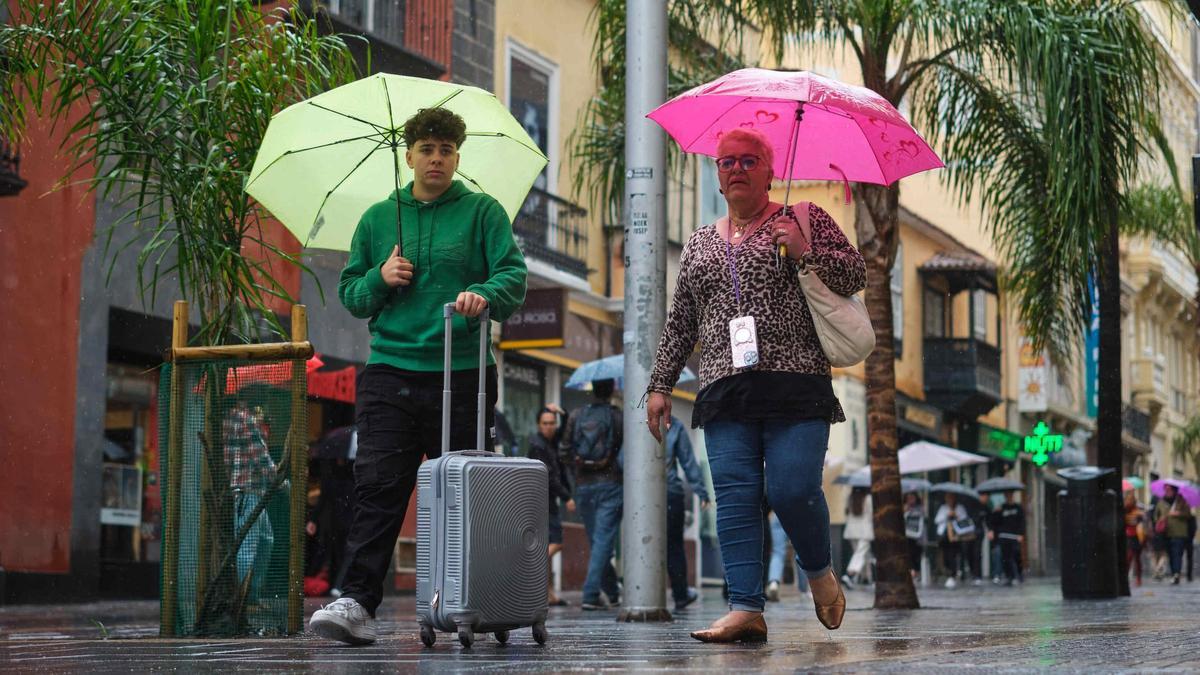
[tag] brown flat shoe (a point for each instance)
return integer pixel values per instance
(831, 615)
(754, 630)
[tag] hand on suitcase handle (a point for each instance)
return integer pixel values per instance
(470, 304)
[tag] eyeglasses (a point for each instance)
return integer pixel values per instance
(747, 162)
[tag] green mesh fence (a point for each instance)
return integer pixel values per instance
(233, 507)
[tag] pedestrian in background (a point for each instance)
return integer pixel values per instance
(914, 531)
(680, 456)
(1009, 533)
(859, 532)
(1171, 517)
(251, 472)
(948, 515)
(1135, 535)
(543, 446)
(592, 440)
(769, 401)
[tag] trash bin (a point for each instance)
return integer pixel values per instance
(1089, 518)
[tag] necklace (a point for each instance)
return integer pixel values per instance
(741, 227)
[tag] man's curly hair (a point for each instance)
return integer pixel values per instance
(437, 123)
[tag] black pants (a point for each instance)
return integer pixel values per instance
(676, 556)
(399, 417)
(1010, 555)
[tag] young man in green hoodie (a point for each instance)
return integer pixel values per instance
(450, 245)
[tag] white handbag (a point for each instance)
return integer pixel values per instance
(842, 323)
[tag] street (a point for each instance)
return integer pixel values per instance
(979, 629)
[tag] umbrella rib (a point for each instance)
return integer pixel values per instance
(497, 134)
(472, 181)
(338, 185)
(395, 171)
(356, 119)
(297, 151)
(447, 99)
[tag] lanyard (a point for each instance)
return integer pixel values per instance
(737, 286)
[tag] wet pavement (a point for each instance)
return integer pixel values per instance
(978, 629)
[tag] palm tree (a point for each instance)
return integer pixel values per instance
(165, 105)
(1187, 443)
(1039, 111)
(174, 100)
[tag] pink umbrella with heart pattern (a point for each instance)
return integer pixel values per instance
(821, 129)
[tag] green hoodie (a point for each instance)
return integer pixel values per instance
(461, 241)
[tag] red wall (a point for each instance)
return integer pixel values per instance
(43, 234)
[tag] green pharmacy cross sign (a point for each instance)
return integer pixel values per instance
(1042, 444)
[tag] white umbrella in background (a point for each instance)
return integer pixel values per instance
(923, 456)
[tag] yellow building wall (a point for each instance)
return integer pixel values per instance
(561, 34)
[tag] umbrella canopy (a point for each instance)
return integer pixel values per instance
(923, 456)
(1187, 489)
(845, 132)
(956, 488)
(860, 480)
(999, 485)
(325, 160)
(608, 368)
(1135, 481)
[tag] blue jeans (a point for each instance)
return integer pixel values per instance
(794, 454)
(600, 506)
(779, 544)
(1176, 546)
(255, 551)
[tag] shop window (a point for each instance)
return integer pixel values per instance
(130, 507)
(524, 396)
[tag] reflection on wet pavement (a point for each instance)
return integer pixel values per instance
(970, 628)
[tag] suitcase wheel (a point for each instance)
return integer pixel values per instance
(539, 633)
(502, 636)
(466, 636)
(428, 636)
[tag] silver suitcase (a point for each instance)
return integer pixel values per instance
(481, 533)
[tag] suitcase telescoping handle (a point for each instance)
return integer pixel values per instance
(485, 328)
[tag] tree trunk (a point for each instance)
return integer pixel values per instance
(1109, 449)
(877, 237)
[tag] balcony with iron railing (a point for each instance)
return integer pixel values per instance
(411, 37)
(1136, 425)
(10, 164)
(962, 375)
(553, 230)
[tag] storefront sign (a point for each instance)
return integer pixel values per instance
(999, 443)
(121, 494)
(1041, 444)
(1032, 378)
(918, 417)
(539, 323)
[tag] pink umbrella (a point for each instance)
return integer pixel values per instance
(1188, 490)
(821, 129)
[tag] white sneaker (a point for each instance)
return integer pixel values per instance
(773, 591)
(951, 583)
(344, 620)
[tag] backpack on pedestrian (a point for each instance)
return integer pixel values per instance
(593, 436)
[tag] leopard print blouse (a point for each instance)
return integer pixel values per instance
(704, 302)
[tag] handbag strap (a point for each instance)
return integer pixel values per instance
(803, 223)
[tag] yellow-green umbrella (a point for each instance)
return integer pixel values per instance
(325, 160)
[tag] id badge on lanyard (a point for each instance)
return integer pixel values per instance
(743, 336)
